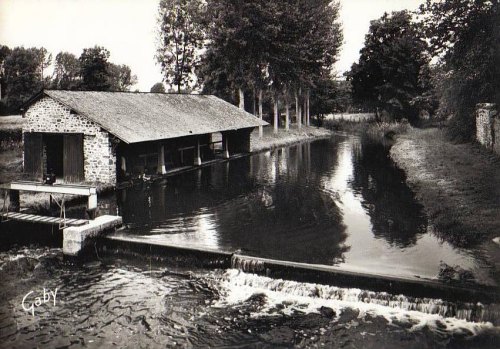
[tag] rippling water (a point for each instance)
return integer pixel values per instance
(133, 304)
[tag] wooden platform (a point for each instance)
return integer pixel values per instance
(32, 218)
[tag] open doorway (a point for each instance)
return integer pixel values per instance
(54, 144)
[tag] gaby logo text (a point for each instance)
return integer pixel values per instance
(30, 302)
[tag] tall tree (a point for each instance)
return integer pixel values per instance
(320, 41)
(22, 76)
(387, 75)
(66, 72)
(238, 38)
(44, 61)
(4, 52)
(280, 46)
(465, 34)
(181, 37)
(94, 69)
(120, 77)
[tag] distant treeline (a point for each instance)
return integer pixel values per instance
(23, 73)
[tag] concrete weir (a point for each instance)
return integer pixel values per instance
(302, 272)
(76, 238)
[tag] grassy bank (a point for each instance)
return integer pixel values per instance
(458, 184)
(376, 131)
(283, 138)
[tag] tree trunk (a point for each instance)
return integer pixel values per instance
(254, 109)
(276, 101)
(261, 130)
(287, 111)
(305, 110)
(242, 98)
(308, 116)
(297, 110)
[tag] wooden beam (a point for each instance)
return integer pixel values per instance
(52, 189)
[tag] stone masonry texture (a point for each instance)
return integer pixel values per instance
(488, 126)
(48, 115)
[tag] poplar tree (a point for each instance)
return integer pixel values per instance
(283, 47)
(181, 37)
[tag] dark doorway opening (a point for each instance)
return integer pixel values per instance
(54, 145)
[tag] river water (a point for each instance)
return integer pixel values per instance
(339, 202)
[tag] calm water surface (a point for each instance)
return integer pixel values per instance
(338, 202)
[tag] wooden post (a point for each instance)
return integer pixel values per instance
(225, 144)
(14, 202)
(92, 206)
(197, 158)
(261, 129)
(123, 164)
(161, 160)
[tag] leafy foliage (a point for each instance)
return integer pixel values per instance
(391, 65)
(181, 36)
(280, 46)
(120, 77)
(22, 76)
(158, 88)
(94, 69)
(239, 36)
(324, 98)
(66, 72)
(465, 34)
(4, 52)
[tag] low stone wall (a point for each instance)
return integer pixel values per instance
(488, 126)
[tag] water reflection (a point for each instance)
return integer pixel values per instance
(393, 211)
(339, 202)
(263, 205)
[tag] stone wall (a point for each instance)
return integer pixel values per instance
(48, 115)
(488, 126)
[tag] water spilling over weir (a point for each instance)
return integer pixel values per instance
(469, 311)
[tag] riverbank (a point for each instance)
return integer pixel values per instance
(458, 184)
(270, 140)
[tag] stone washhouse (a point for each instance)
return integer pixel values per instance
(106, 137)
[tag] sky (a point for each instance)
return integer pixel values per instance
(127, 28)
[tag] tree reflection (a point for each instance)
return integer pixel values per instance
(394, 213)
(267, 205)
